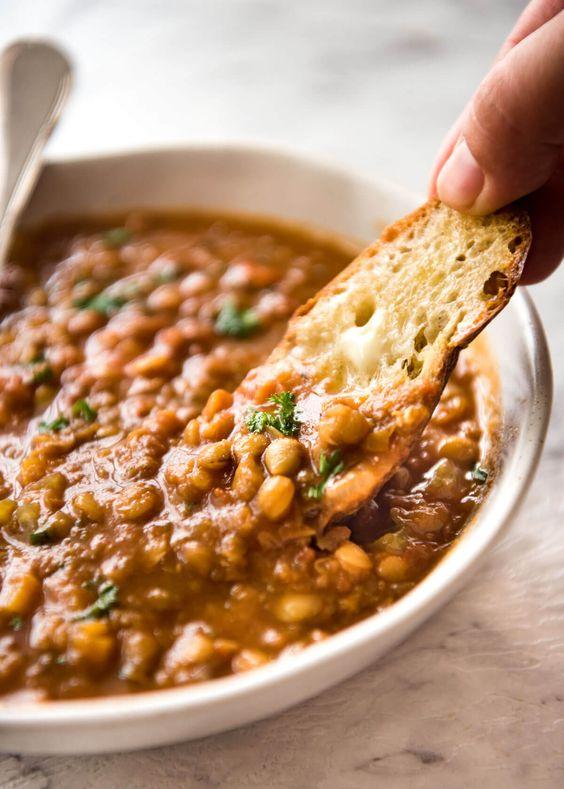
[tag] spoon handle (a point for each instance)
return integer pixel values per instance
(35, 79)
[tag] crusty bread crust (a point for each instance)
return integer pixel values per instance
(385, 334)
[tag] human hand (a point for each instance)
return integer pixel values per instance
(509, 141)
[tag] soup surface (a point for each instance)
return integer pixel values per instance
(120, 342)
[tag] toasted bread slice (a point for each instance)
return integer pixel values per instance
(367, 358)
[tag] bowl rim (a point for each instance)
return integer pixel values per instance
(448, 575)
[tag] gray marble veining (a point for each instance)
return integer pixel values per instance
(476, 696)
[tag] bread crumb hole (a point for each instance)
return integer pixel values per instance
(436, 325)
(496, 282)
(420, 340)
(461, 257)
(412, 366)
(514, 243)
(363, 314)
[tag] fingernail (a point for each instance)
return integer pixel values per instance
(462, 179)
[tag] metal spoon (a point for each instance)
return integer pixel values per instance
(35, 79)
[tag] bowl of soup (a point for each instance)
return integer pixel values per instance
(140, 290)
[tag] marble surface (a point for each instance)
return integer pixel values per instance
(476, 696)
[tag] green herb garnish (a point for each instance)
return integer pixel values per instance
(258, 421)
(107, 599)
(53, 427)
(16, 623)
(102, 302)
(283, 418)
(42, 372)
(235, 322)
(329, 466)
(43, 375)
(40, 536)
(479, 474)
(117, 237)
(82, 410)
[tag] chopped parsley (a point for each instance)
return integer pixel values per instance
(16, 623)
(117, 237)
(234, 322)
(258, 421)
(107, 599)
(283, 418)
(82, 410)
(479, 474)
(103, 303)
(54, 426)
(329, 466)
(43, 374)
(40, 536)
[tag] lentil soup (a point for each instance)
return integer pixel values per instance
(121, 342)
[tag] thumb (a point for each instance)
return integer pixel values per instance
(512, 135)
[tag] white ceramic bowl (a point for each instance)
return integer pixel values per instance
(266, 181)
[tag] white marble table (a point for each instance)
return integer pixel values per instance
(476, 696)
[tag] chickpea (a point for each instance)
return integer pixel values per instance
(283, 456)
(252, 444)
(275, 497)
(7, 507)
(137, 502)
(412, 417)
(220, 426)
(33, 467)
(218, 401)
(27, 515)
(59, 525)
(53, 489)
(164, 423)
(460, 449)
(202, 479)
(215, 456)
(444, 480)
(19, 593)
(248, 478)
(451, 410)
(85, 504)
(353, 559)
(341, 424)
(294, 607)
(150, 365)
(189, 648)
(85, 322)
(394, 569)
(197, 556)
(165, 297)
(191, 433)
(248, 659)
(139, 650)
(92, 643)
(195, 284)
